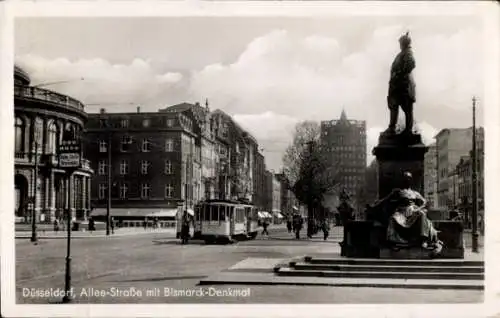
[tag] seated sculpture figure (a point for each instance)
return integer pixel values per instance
(403, 213)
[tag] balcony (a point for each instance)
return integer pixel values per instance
(30, 92)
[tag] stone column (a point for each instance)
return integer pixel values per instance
(89, 190)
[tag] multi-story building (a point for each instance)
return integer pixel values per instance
(452, 144)
(239, 147)
(464, 183)
(344, 142)
(153, 159)
(259, 182)
(204, 173)
(276, 196)
(41, 116)
(268, 191)
(430, 176)
(287, 198)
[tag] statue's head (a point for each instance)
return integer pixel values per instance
(405, 41)
(407, 179)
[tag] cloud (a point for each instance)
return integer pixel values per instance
(103, 83)
(281, 77)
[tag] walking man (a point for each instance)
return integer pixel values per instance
(265, 224)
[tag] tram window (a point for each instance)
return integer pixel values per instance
(206, 213)
(222, 213)
(215, 213)
(231, 213)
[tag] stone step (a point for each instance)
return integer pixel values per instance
(265, 279)
(395, 262)
(288, 271)
(386, 268)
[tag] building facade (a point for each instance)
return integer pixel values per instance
(41, 186)
(464, 184)
(452, 144)
(430, 176)
(344, 143)
(239, 148)
(259, 183)
(153, 162)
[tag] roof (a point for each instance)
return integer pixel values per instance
(236, 125)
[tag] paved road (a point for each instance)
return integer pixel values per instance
(139, 268)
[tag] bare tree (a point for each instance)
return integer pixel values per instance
(308, 172)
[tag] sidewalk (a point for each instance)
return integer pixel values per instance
(95, 234)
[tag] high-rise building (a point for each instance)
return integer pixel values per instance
(344, 142)
(452, 144)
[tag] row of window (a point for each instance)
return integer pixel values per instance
(124, 167)
(146, 122)
(146, 145)
(145, 191)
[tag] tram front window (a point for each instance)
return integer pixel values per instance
(222, 213)
(214, 213)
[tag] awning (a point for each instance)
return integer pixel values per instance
(164, 213)
(135, 212)
(295, 208)
(190, 212)
(278, 215)
(264, 214)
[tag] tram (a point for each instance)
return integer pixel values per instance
(225, 221)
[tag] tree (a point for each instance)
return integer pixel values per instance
(307, 170)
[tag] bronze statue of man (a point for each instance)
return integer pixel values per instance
(402, 86)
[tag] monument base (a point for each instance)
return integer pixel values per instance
(395, 155)
(365, 239)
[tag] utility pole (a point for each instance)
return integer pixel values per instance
(475, 234)
(34, 235)
(108, 206)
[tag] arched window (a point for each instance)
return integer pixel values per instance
(52, 142)
(20, 132)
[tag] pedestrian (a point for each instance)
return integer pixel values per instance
(56, 225)
(325, 226)
(112, 223)
(289, 223)
(145, 223)
(185, 228)
(298, 223)
(91, 224)
(265, 224)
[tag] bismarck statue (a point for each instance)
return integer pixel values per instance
(402, 86)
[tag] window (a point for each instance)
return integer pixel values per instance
(124, 123)
(52, 138)
(124, 167)
(170, 122)
(169, 145)
(168, 167)
(103, 146)
(20, 129)
(214, 213)
(145, 166)
(146, 122)
(123, 191)
(103, 168)
(146, 145)
(125, 143)
(169, 191)
(145, 190)
(102, 190)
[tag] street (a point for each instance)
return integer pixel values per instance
(155, 268)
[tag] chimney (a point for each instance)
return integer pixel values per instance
(138, 109)
(103, 110)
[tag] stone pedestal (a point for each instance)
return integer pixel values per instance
(396, 154)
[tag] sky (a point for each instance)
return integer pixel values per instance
(268, 73)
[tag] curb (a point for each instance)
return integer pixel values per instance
(371, 285)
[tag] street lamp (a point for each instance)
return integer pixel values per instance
(37, 133)
(475, 234)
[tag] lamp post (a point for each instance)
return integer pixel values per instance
(34, 236)
(475, 234)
